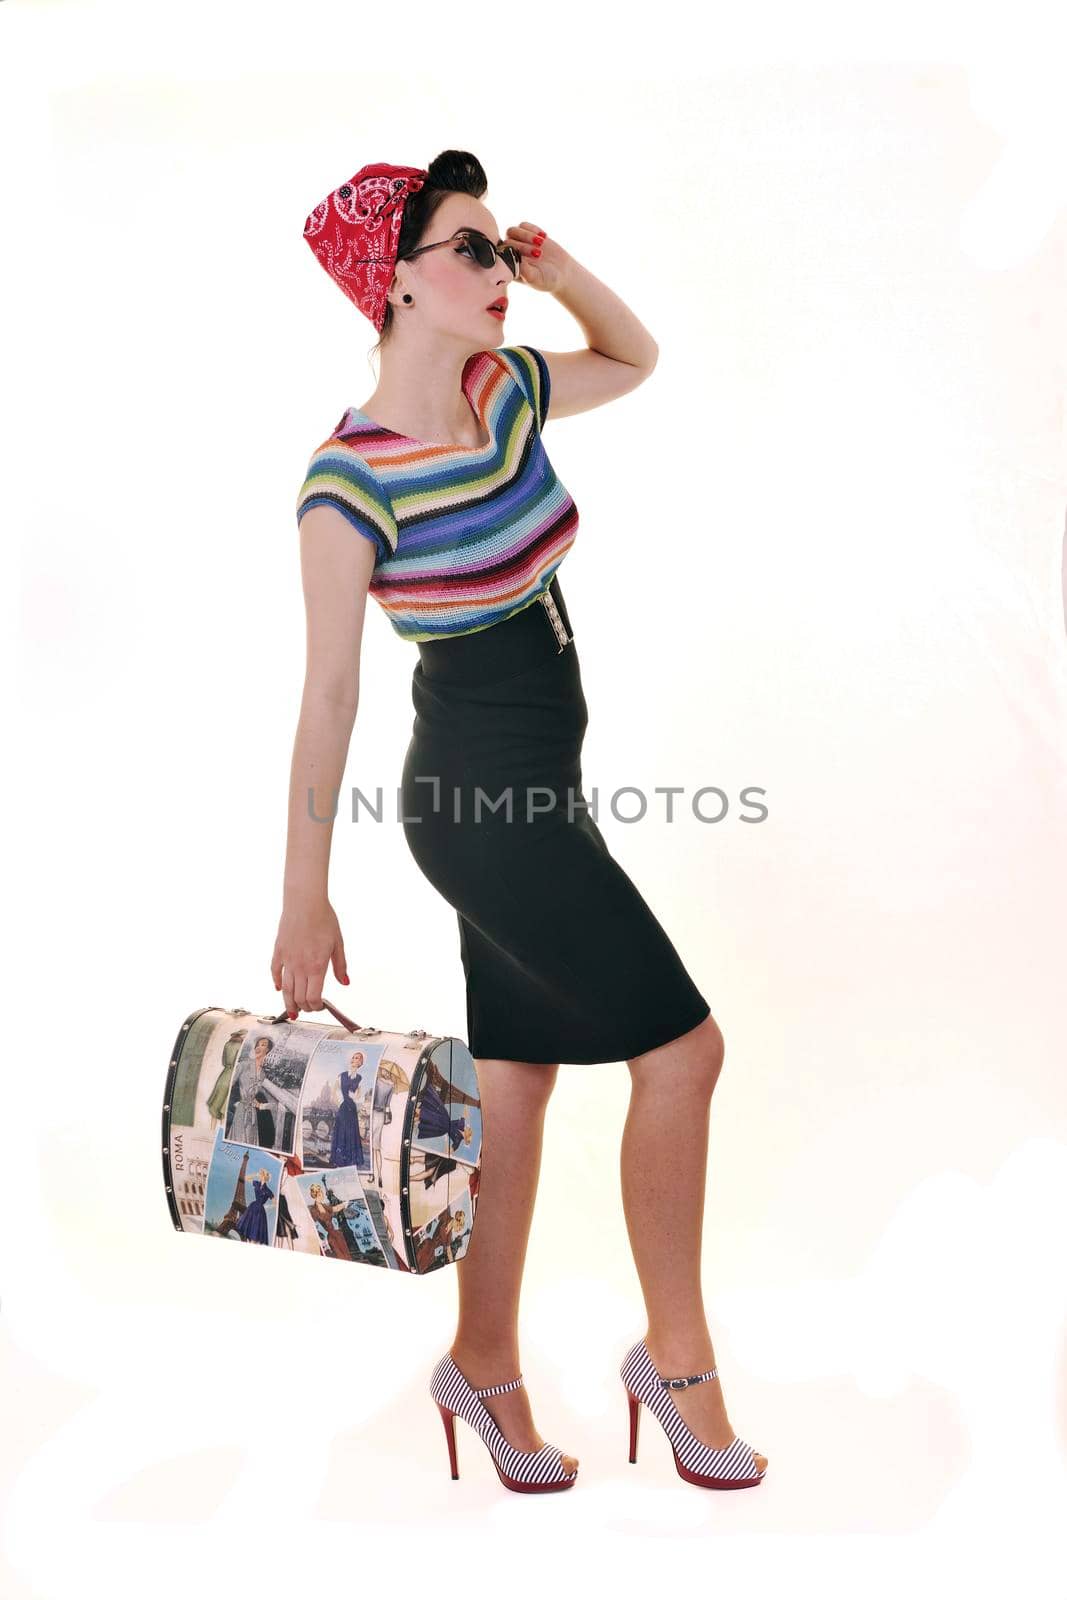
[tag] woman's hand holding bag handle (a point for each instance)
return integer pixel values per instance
(308, 943)
(353, 1027)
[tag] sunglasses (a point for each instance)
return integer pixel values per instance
(477, 246)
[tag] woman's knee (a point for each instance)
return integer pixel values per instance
(695, 1058)
(713, 1043)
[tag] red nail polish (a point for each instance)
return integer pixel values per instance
(291, 1015)
(537, 252)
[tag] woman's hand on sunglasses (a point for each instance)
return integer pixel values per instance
(544, 263)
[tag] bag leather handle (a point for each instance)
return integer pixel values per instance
(353, 1027)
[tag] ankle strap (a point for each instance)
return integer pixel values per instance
(501, 1388)
(683, 1383)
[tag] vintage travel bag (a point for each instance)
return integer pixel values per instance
(348, 1142)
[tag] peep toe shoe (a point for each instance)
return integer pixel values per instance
(732, 1467)
(529, 1471)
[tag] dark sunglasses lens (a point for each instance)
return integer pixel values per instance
(479, 247)
(485, 255)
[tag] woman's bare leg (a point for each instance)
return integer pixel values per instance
(486, 1347)
(664, 1161)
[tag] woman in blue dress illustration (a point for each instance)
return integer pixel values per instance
(346, 1145)
(433, 1119)
(252, 1223)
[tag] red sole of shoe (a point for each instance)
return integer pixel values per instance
(449, 1420)
(699, 1478)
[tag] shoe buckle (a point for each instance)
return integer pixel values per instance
(677, 1383)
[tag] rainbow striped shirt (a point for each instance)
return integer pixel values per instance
(464, 536)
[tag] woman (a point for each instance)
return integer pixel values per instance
(285, 1235)
(336, 1235)
(252, 1224)
(216, 1100)
(346, 1144)
(247, 1100)
(464, 523)
(432, 1119)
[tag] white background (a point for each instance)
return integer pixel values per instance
(820, 553)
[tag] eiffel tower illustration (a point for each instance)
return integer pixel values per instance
(238, 1203)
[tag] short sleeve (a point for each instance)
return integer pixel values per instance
(339, 476)
(529, 367)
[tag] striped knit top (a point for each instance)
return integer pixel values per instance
(465, 536)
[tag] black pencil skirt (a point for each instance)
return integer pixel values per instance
(564, 960)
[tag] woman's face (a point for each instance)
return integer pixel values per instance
(262, 1051)
(451, 291)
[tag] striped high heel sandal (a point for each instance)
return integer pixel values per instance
(732, 1467)
(528, 1471)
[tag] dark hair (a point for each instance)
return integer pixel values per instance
(451, 172)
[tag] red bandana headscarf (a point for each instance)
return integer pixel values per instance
(354, 232)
